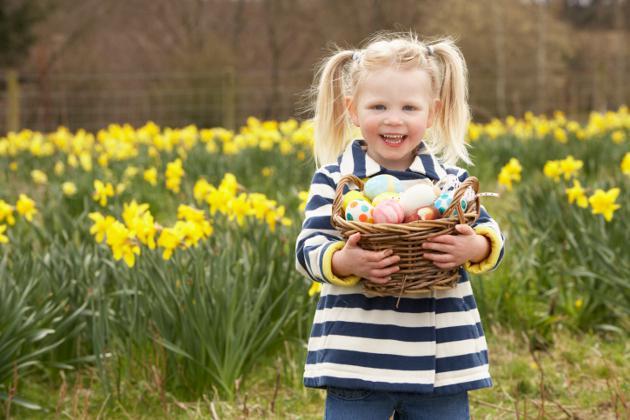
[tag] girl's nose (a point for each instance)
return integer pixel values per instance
(392, 120)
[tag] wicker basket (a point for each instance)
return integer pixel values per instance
(417, 275)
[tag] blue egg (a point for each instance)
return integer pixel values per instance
(380, 184)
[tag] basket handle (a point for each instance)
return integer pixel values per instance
(456, 204)
(338, 202)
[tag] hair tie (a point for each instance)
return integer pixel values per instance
(356, 56)
(429, 50)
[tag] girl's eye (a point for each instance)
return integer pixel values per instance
(409, 108)
(378, 107)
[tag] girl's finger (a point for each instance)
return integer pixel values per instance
(386, 262)
(444, 239)
(436, 246)
(441, 258)
(383, 272)
(354, 239)
(376, 256)
(445, 266)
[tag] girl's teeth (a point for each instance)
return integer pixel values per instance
(393, 139)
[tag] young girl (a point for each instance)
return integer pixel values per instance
(417, 360)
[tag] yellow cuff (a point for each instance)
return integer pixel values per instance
(495, 251)
(327, 267)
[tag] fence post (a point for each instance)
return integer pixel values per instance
(229, 99)
(13, 100)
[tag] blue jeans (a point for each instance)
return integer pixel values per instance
(354, 404)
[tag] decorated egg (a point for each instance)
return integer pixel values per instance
(428, 213)
(360, 211)
(380, 184)
(388, 211)
(353, 195)
(385, 196)
(444, 201)
(416, 196)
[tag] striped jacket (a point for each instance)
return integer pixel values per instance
(429, 344)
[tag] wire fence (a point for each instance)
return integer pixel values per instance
(227, 98)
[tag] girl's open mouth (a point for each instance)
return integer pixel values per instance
(393, 139)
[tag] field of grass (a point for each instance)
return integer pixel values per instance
(150, 272)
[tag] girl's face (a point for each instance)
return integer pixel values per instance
(393, 108)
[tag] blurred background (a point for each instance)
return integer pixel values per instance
(86, 64)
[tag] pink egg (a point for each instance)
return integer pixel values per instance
(388, 211)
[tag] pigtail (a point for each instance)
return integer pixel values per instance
(331, 123)
(451, 120)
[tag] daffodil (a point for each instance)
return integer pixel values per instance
(100, 226)
(570, 167)
(39, 177)
(576, 194)
(315, 288)
(102, 191)
(3, 238)
(150, 175)
(122, 242)
(239, 208)
(68, 188)
(603, 202)
(553, 170)
(6, 213)
(26, 207)
(169, 240)
(625, 164)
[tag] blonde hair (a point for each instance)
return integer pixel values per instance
(340, 74)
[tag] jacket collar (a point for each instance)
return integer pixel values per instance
(354, 160)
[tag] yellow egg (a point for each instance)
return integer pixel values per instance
(352, 195)
(388, 195)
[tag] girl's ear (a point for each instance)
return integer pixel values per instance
(433, 111)
(351, 108)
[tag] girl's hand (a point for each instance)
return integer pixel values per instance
(457, 249)
(376, 266)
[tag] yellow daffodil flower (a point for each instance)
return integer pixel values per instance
(553, 170)
(570, 167)
(150, 175)
(576, 194)
(604, 202)
(39, 177)
(6, 213)
(3, 238)
(625, 164)
(26, 207)
(100, 226)
(315, 289)
(68, 188)
(102, 191)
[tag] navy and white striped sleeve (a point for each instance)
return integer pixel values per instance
(318, 239)
(488, 227)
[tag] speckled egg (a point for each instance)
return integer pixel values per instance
(385, 196)
(444, 201)
(388, 211)
(360, 211)
(417, 196)
(380, 184)
(353, 195)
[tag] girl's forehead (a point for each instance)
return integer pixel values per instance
(392, 80)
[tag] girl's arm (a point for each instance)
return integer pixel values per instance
(322, 255)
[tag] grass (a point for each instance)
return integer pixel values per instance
(577, 377)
